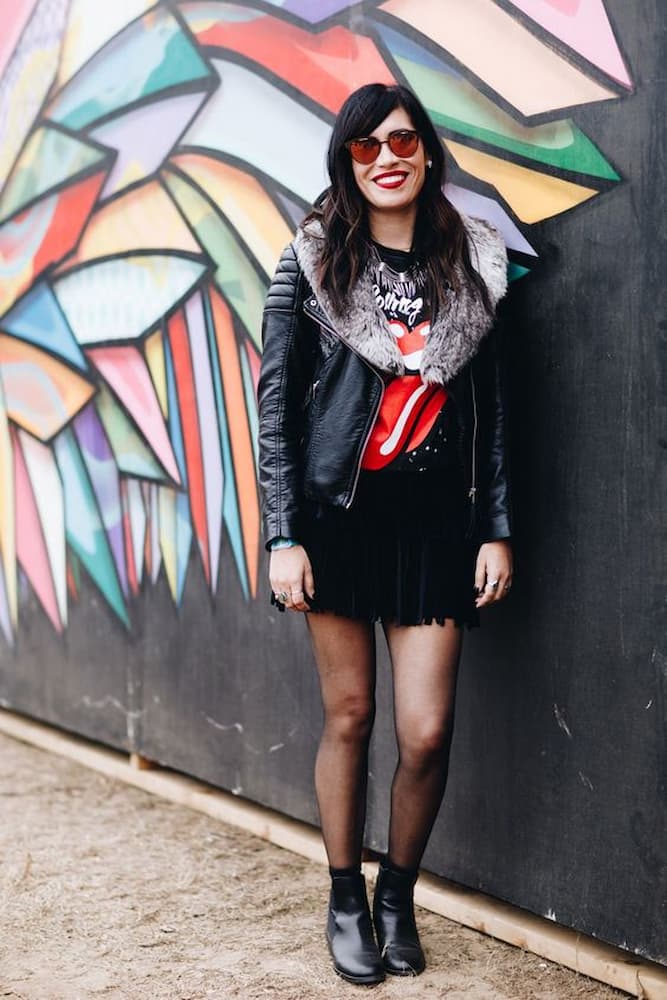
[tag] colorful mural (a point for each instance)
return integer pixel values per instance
(154, 160)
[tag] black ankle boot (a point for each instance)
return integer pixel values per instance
(350, 931)
(394, 919)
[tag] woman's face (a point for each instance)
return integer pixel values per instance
(391, 182)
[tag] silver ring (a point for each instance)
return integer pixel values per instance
(282, 596)
(493, 584)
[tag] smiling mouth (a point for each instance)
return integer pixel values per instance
(390, 180)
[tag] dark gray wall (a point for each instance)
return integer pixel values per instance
(556, 800)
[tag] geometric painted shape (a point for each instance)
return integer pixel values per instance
(133, 503)
(48, 160)
(243, 97)
(124, 369)
(120, 299)
(239, 432)
(103, 473)
(132, 454)
(145, 218)
(244, 203)
(497, 49)
(85, 532)
(326, 65)
(235, 275)
(90, 25)
(31, 550)
(192, 433)
(145, 136)
(183, 524)
(481, 206)
(7, 513)
(46, 488)
(41, 394)
(311, 12)
(154, 528)
(38, 319)
(230, 502)
(532, 196)
(148, 56)
(167, 514)
(210, 442)
(5, 616)
(42, 235)
(154, 354)
(14, 21)
(584, 27)
(28, 78)
(455, 104)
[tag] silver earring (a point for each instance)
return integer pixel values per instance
(430, 163)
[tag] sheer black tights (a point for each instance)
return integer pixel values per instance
(425, 662)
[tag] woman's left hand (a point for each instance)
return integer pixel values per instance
(493, 572)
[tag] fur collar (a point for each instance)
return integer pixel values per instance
(458, 328)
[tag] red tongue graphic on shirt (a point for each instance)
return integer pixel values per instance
(407, 414)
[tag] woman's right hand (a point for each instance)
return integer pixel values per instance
(290, 573)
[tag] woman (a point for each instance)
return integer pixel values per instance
(384, 484)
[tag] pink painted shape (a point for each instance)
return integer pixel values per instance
(30, 543)
(584, 26)
(124, 368)
(13, 18)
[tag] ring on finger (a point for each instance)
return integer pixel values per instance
(283, 596)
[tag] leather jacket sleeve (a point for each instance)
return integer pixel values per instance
(285, 375)
(495, 517)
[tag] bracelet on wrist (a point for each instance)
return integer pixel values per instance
(282, 543)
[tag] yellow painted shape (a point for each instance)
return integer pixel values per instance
(144, 218)
(532, 195)
(167, 522)
(7, 511)
(41, 394)
(244, 202)
(154, 348)
(90, 25)
(498, 49)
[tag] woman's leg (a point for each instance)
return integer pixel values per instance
(345, 655)
(425, 661)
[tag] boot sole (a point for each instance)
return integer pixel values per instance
(357, 980)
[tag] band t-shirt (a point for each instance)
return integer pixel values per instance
(415, 428)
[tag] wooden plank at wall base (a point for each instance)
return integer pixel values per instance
(515, 926)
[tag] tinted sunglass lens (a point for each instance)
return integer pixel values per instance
(403, 143)
(364, 150)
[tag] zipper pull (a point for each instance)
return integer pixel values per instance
(471, 493)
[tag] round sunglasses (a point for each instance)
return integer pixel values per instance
(403, 142)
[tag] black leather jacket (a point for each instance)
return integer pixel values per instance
(317, 406)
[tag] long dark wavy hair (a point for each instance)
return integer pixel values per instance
(439, 238)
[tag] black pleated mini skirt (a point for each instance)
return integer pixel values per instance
(398, 554)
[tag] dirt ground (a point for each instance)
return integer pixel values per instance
(107, 891)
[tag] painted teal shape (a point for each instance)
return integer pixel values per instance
(183, 539)
(48, 159)
(149, 56)
(456, 105)
(235, 276)
(516, 271)
(84, 530)
(132, 454)
(231, 513)
(38, 319)
(251, 406)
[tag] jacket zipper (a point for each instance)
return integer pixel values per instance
(472, 492)
(329, 326)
